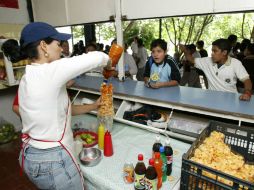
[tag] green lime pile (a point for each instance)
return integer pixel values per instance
(88, 138)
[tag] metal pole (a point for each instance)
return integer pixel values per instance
(160, 28)
(119, 37)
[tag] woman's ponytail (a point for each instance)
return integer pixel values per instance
(12, 50)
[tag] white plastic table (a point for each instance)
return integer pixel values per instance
(128, 142)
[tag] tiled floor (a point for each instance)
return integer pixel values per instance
(10, 178)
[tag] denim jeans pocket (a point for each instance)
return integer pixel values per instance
(39, 174)
(53, 169)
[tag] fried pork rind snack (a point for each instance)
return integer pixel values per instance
(217, 155)
(106, 108)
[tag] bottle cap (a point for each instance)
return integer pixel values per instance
(140, 157)
(158, 138)
(162, 150)
(167, 142)
(151, 162)
(157, 155)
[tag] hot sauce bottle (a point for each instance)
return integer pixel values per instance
(115, 53)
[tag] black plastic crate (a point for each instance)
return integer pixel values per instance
(240, 139)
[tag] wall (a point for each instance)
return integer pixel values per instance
(14, 16)
(13, 20)
(68, 12)
(11, 30)
(164, 8)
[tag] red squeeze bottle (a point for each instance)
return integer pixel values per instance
(115, 53)
(108, 147)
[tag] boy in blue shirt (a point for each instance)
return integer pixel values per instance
(161, 70)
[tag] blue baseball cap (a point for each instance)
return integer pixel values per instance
(36, 31)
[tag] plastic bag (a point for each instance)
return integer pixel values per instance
(7, 131)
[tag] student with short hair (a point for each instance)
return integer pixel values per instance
(161, 70)
(221, 70)
(66, 49)
(200, 45)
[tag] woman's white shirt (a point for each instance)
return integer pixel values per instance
(43, 99)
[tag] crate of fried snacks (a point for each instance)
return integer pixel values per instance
(222, 157)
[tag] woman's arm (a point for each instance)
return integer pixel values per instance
(82, 109)
(66, 69)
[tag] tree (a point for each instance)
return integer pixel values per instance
(78, 31)
(145, 29)
(105, 31)
(187, 29)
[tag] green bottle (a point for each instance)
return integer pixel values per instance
(164, 166)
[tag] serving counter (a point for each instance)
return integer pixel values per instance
(206, 102)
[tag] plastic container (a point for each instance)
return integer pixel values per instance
(140, 170)
(108, 145)
(169, 156)
(156, 146)
(106, 109)
(158, 166)
(241, 141)
(164, 166)
(151, 176)
(115, 53)
(186, 127)
(128, 172)
(101, 133)
(107, 122)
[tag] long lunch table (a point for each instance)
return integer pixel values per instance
(212, 103)
(128, 142)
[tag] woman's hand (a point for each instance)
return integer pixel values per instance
(82, 109)
(97, 103)
(70, 83)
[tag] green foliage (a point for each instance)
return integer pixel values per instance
(185, 30)
(177, 30)
(78, 31)
(146, 30)
(105, 31)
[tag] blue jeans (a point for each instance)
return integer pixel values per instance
(51, 168)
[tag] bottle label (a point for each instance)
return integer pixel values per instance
(139, 182)
(151, 184)
(164, 168)
(169, 159)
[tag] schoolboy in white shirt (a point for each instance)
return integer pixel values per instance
(221, 70)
